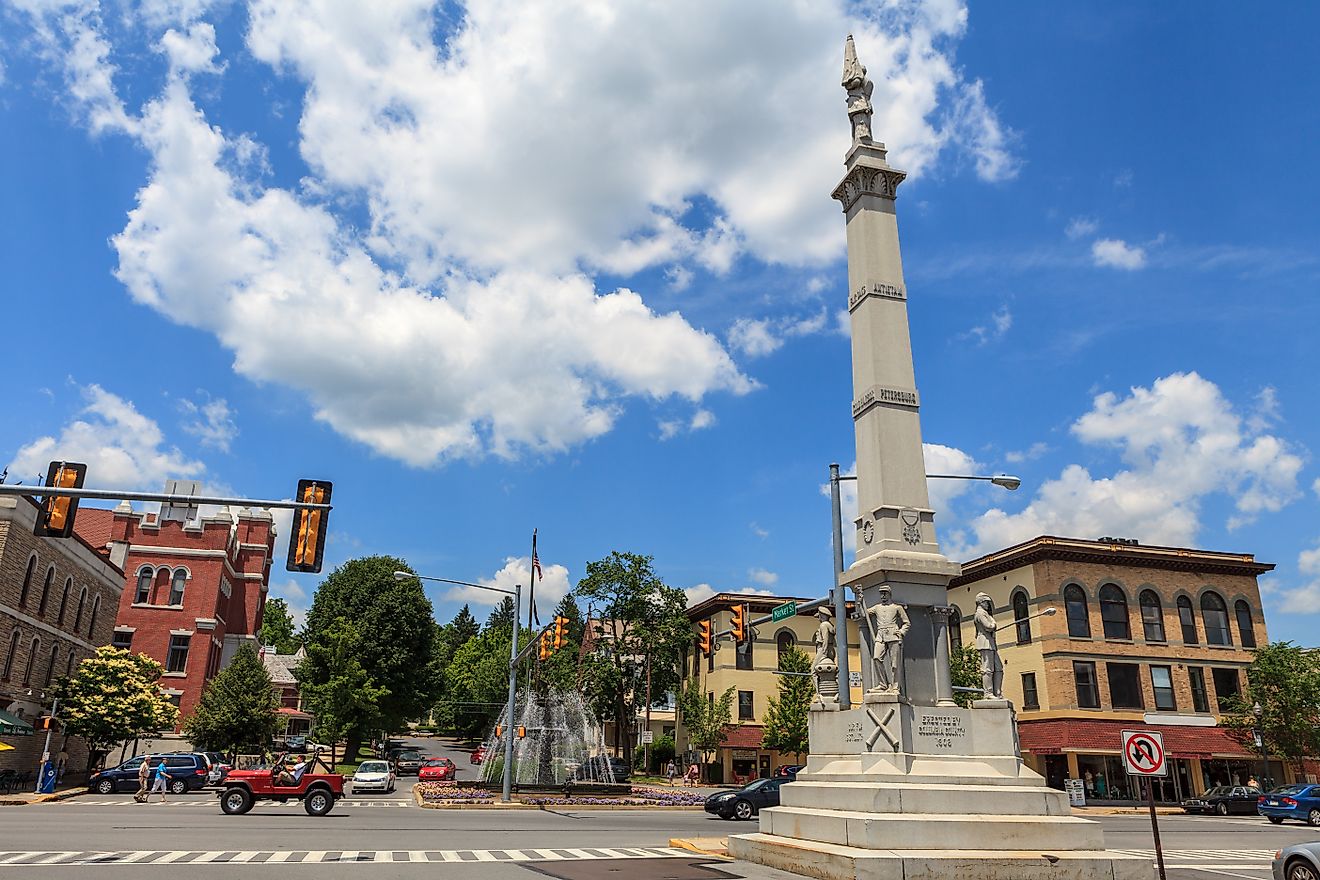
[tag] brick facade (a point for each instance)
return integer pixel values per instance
(58, 599)
(193, 592)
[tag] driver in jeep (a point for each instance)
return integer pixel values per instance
(288, 774)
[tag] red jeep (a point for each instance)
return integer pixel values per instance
(318, 787)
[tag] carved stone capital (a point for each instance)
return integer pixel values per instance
(864, 180)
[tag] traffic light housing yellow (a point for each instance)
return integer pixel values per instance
(522, 731)
(55, 516)
(499, 730)
(546, 649)
(738, 623)
(307, 540)
(561, 632)
(703, 636)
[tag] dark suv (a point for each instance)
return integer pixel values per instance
(188, 771)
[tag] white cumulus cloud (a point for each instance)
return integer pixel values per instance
(211, 421)
(1118, 254)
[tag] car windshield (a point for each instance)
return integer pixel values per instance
(1218, 791)
(409, 756)
(760, 783)
(373, 767)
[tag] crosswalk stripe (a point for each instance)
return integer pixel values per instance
(244, 856)
(278, 857)
(169, 857)
(263, 857)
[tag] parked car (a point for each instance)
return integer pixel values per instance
(603, 768)
(478, 755)
(406, 762)
(374, 776)
(746, 802)
(789, 769)
(219, 768)
(1300, 802)
(315, 786)
(1300, 861)
(1224, 799)
(435, 769)
(188, 772)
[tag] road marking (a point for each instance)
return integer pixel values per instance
(298, 857)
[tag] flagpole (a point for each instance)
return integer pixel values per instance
(531, 603)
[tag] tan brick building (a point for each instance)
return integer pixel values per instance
(58, 599)
(1152, 637)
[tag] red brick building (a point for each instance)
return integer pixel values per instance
(194, 591)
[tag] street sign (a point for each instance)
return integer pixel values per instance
(1076, 792)
(1143, 753)
(648, 736)
(783, 612)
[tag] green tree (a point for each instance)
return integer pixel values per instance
(449, 638)
(641, 626)
(706, 720)
(1285, 680)
(237, 708)
(396, 647)
(343, 699)
(477, 681)
(965, 670)
(277, 629)
(112, 696)
(786, 715)
(502, 616)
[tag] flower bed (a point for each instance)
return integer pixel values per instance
(641, 796)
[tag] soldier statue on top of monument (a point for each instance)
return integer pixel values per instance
(859, 88)
(889, 625)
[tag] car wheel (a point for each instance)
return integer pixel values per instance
(235, 801)
(178, 786)
(1313, 818)
(1221, 808)
(105, 786)
(1299, 870)
(1275, 820)
(318, 802)
(743, 810)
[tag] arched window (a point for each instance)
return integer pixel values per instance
(9, 656)
(143, 594)
(1114, 612)
(91, 620)
(27, 582)
(1214, 614)
(64, 600)
(1152, 616)
(1020, 613)
(77, 618)
(955, 630)
(784, 642)
(176, 586)
(1079, 616)
(1246, 630)
(162, 590)
(45, 592)
(31, 661)
(50, 667)
(1187, 619)
(68, 666)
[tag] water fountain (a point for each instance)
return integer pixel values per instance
(561, 744)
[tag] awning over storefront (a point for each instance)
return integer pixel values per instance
(288, 712)
(12, 725)
(1056, 736)
(746, 736)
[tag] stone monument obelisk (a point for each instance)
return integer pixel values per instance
(909, 785)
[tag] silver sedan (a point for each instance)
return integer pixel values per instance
(1298, 862)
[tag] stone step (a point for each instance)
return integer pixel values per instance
(921, 831)
(902, 797)
(851, 772)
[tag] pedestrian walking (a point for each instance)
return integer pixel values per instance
(144, 777)
(693, 771)
(160, 783)
(671, 771)
(61, 764)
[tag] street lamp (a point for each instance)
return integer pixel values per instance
(1007, 481)
(1260, 744)
(506, 793)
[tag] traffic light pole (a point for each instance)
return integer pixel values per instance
(164, 497)
(45, 752)
(506, 793)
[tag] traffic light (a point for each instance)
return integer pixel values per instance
(47, 723)
(739, 623)
(55, 518)
(546, 649)
(561, 632)
(522, 731)
(703, 636)
(499, 730)
(307, 541)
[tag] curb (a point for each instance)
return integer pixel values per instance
(690, 845)
(43, 798)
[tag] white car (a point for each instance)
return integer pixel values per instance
(373, 776)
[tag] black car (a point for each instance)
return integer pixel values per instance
(1225, 799)
(603, 768)
(187, 770)
(406, 762)
(746, 802)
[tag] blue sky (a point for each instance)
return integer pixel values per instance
(505, 265)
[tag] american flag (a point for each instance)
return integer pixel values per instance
(536, 565)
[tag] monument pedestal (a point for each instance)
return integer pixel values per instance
(894, 791)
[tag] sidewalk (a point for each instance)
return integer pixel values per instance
(23, 798)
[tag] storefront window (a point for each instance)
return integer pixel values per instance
(1104, 778)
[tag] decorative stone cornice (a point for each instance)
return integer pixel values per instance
(862, 180)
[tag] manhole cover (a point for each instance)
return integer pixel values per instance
(632, 869)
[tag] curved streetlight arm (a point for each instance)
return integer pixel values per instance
(405, 575)
(1007, 481)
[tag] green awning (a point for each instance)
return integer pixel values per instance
(12, 725)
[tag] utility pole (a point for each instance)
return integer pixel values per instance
(646, 742)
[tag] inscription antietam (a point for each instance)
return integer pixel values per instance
(889, 291)
(878, 394)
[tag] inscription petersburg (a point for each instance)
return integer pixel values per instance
(878, 394)
(889, 291)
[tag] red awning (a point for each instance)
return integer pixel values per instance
(745, 736)
(1053, 736)
(293, 713)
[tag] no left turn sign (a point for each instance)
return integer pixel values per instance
(1143, 753)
